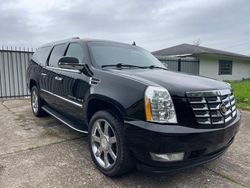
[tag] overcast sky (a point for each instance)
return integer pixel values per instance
(153, 24)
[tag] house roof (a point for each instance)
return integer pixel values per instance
(188, 50)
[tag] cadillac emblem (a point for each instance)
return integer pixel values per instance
(223, 109)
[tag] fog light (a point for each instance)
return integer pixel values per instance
(167, 156)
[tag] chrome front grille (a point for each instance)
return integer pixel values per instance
(213, 107)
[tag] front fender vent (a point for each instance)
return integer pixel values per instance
(94, 81)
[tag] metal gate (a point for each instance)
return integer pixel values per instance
(13, 66)
(188, 65)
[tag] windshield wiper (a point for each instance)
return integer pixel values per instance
(155, 67)
(120, 65)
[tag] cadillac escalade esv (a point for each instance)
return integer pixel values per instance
(135, 111)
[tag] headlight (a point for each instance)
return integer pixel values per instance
(229, 84)
(159, 105)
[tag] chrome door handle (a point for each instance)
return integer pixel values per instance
(43, 74)
(58, 78)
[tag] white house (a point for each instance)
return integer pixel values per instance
(217, 64)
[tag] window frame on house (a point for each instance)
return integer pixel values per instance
(228, 67)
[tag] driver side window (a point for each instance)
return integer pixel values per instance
(56, 54)
(75, 50)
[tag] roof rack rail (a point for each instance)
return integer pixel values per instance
(75, 37)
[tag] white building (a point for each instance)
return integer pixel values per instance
(217, 64)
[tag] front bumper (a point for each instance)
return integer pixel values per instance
(199, 145)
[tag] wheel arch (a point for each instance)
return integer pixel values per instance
(32, 84)
(98, 102)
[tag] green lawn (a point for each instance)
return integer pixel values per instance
(242, 93)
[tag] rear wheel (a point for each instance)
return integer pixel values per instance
(107, 144)
(36, 102)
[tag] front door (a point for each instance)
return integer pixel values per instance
(73, 85)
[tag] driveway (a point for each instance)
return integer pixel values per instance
(42, 152)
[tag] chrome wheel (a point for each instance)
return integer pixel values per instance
(34, 101)
(104, 143)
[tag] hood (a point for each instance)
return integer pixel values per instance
(176, 83)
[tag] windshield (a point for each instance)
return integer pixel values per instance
(107, 53)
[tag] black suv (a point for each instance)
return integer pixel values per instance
(135, 111)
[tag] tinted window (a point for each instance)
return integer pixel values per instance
(41, 55)
(112, 53)
(225, 67)
(75, 50)
(56, 54)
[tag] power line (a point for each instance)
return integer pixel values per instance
(239, 44)
(246, 51)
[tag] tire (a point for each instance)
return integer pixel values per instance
(123, 162)
(36, 103)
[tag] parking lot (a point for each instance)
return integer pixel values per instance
(42, 152)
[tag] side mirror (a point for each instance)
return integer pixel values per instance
(70, 63)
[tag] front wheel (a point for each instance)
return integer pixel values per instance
(107, 144)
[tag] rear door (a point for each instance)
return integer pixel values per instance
(52, 83)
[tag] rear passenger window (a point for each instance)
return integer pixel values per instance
(41, 55)
(56, 54)
(75, 50)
